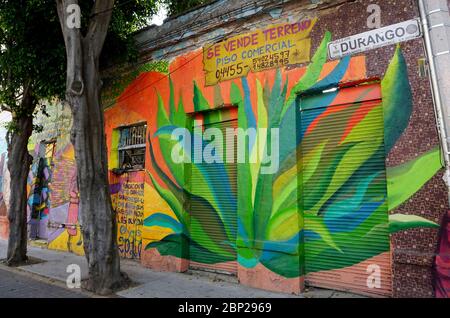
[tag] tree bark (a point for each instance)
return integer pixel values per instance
(19, 161)
(98, 218)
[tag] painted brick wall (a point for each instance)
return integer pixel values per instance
(413, 250)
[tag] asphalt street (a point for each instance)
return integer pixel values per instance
(15, 285)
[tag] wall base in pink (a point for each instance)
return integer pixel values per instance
(4, 227)
(152, 259)
(262, 278)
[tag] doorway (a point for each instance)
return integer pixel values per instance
(213, 199)
(344, 190)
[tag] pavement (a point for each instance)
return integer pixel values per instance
(52, 270)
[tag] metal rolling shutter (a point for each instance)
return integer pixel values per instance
(212, 261)
(347, 270)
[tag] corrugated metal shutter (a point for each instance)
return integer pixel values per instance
(228, 210)
(353, 223)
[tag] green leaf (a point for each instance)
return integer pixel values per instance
(172, 108)
(284, 225)
(405, 180)
(245, 202)
(401, 222)
(316, 225)
(163, 118)
(172, 245)
(165, 221)
(312, 73)
(397, 107)
(200, 102)
(171, 199)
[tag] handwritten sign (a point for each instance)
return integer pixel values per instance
(275, 46)
(129, 205)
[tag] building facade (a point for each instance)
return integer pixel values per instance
(236, 145)
(52, 183)
(357, 199)
(4, 176)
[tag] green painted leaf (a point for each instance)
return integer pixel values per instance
(284, 225)
(180, 118)
(172, 108)
(315, 224)
(315, 197)
(171, 199)
(163, 118)
(245, 203)
(200, 102)
(356, 156)
(397, 106)
(167, 144)
(173, 245)
(163, 220)
(405, 180)
(401, 222)
(261, 138)
(312, 73)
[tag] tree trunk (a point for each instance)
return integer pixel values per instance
(98, 219)
(19, 161)
(97, 215)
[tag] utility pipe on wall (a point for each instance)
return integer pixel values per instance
(435, 90)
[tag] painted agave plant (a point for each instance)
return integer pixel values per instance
(270, 222)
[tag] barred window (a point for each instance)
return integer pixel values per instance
(132, 147)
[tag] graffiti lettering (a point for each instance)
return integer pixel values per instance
(129, 204)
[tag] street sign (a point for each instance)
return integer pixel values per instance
(374, 39)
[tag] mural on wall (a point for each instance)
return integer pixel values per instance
(39, 194)
(272, 231)
(116, 84)
(52, 185)
(128, 189)
(5, 117)
(3, 208)
(127, 194)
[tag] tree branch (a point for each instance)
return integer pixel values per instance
(98, 24)
(26, 94)
(74, 49)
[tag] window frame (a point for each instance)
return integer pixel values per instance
(121, 149)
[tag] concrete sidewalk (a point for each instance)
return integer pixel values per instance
(151, 284)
